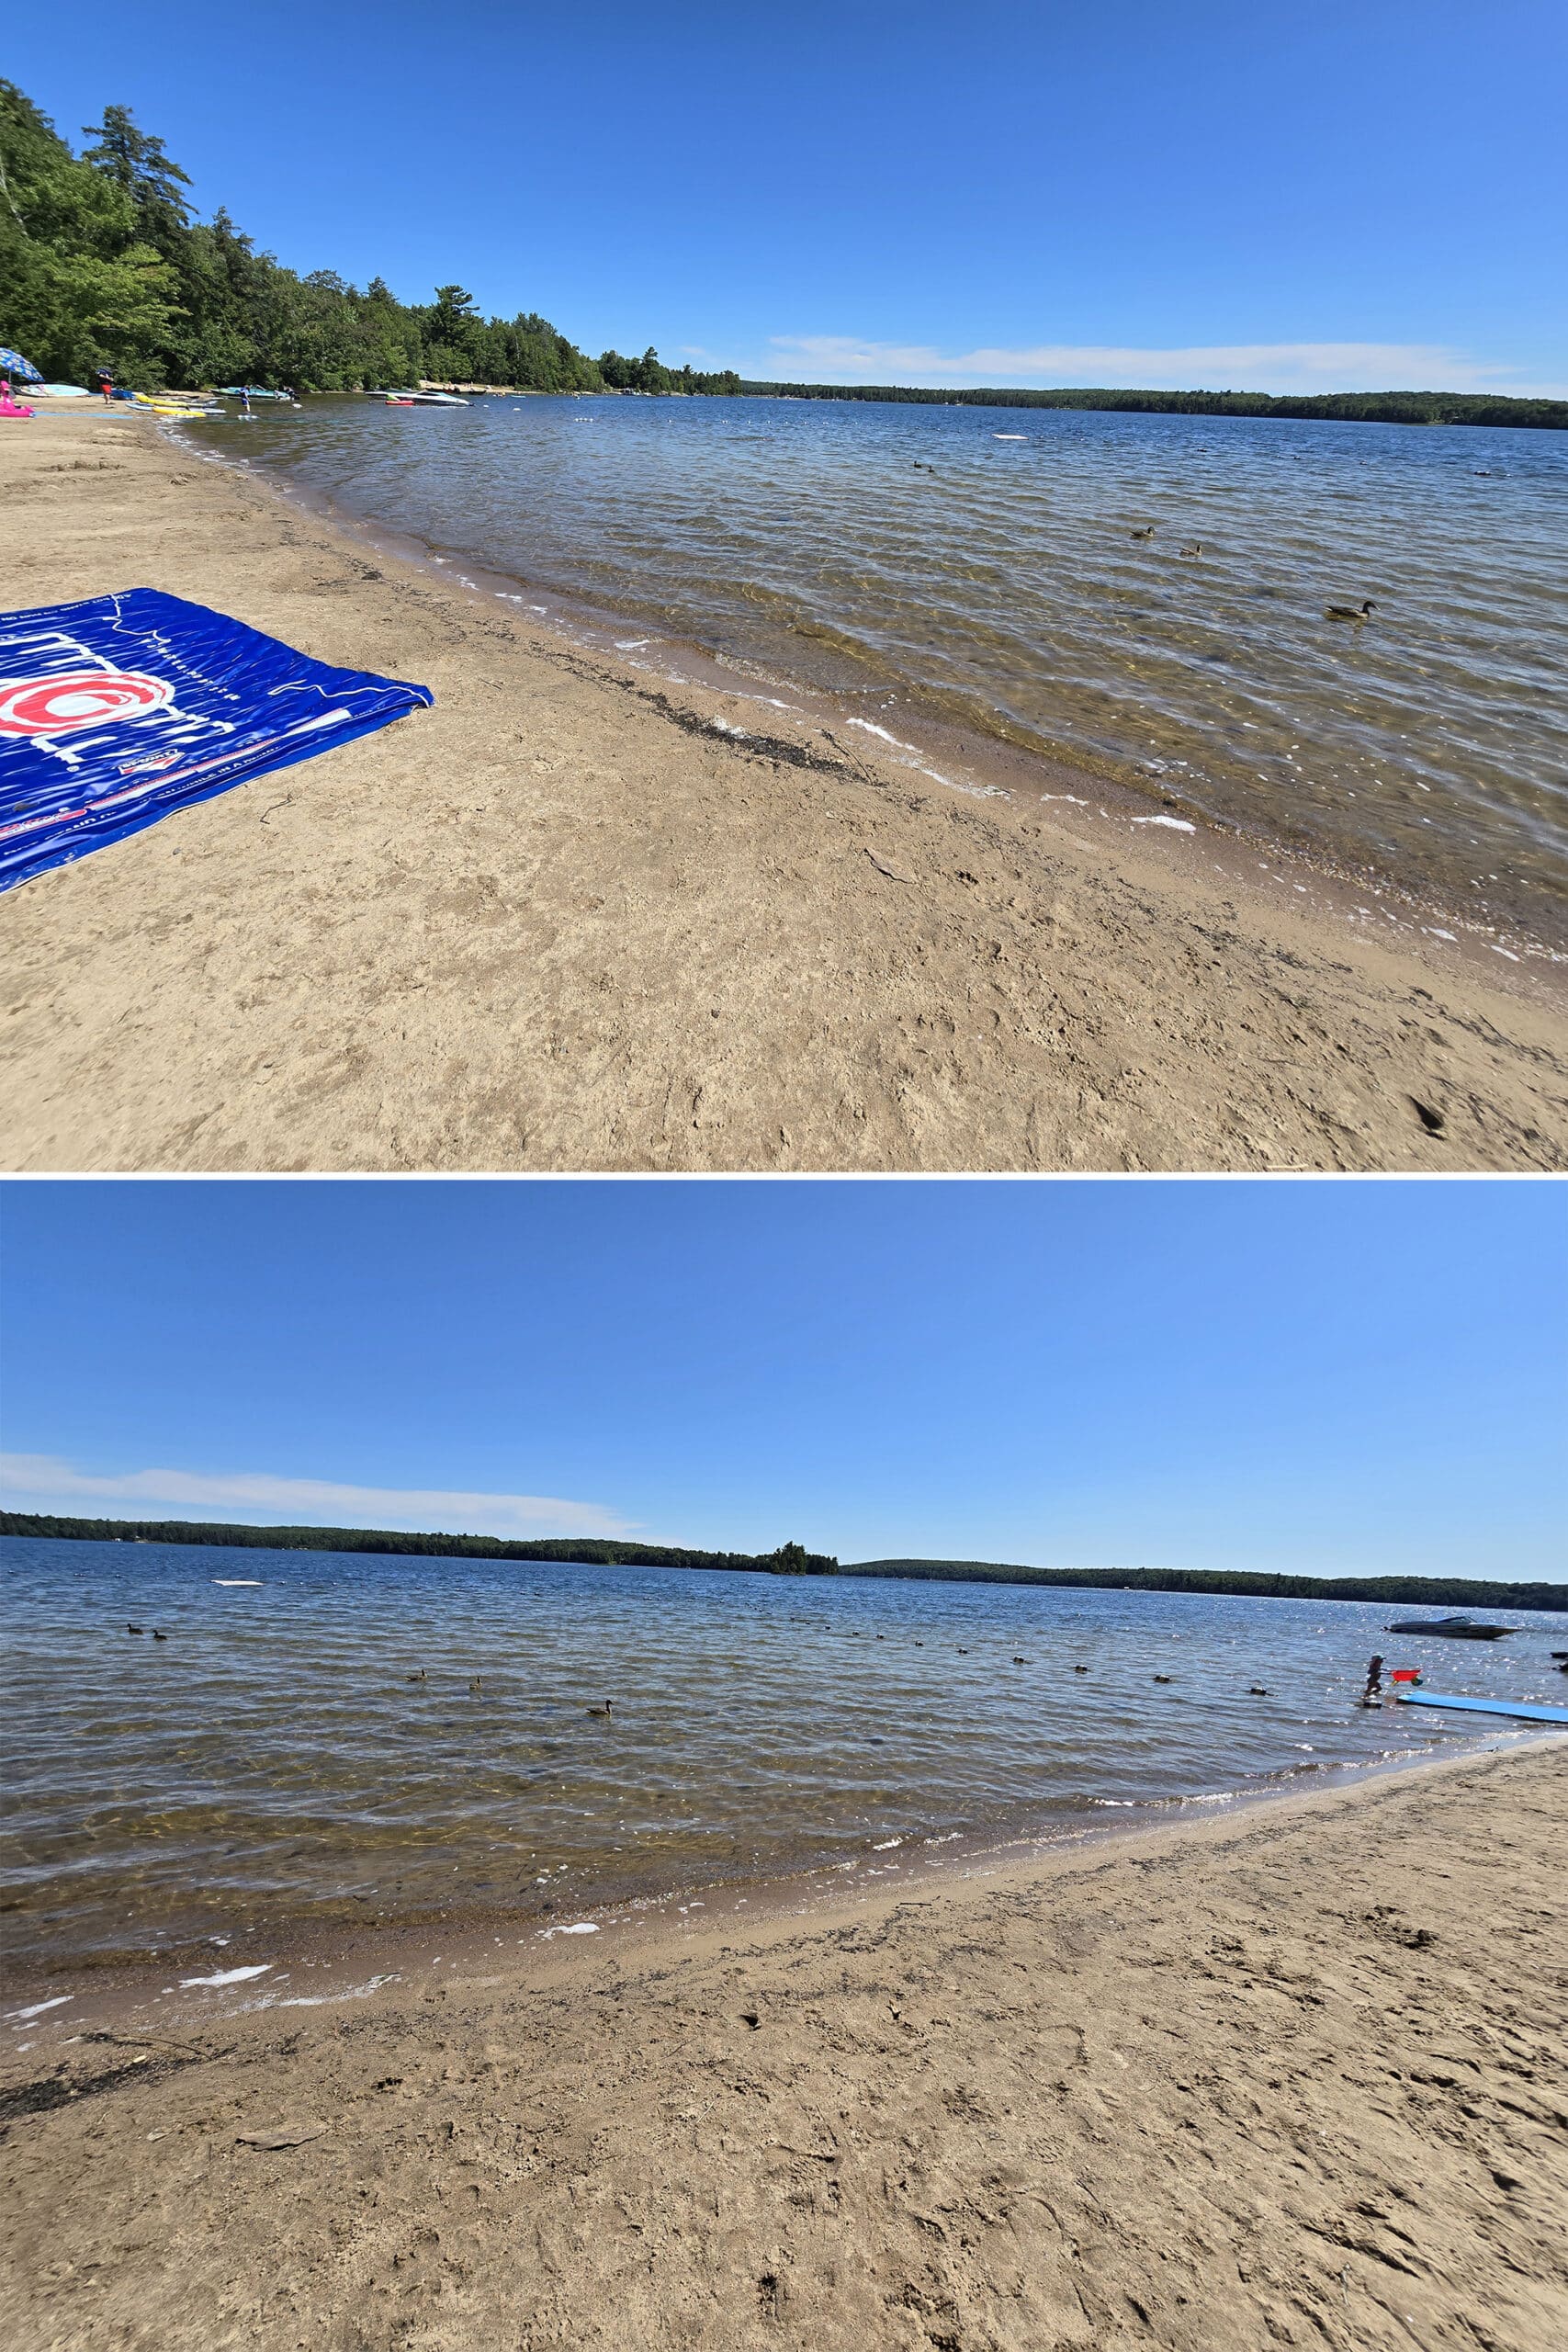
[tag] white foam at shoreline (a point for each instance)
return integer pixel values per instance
(21, 2017)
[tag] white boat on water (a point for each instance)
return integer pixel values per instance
(424, 400)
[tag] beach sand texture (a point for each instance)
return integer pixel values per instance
(1292, 2078)
(561, 922)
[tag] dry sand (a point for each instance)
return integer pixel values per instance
(561, 923)
(1294, 2078)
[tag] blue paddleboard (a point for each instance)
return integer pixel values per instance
(1522, 1708)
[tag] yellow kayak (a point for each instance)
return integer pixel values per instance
(173, 407)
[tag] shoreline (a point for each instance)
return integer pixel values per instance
(983, 755)
(1019, 1839)
(501, 937)
(1283, 2074)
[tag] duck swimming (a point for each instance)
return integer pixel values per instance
(598, 1711)
(1196, 549)
(1349, 612)
(1145, 534)
(417, 1678)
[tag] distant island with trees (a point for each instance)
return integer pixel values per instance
(789, 1559)
(104, 266)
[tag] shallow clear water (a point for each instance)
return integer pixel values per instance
(271, 1762)
(1004, 593)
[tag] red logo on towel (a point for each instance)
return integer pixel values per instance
(73, 699)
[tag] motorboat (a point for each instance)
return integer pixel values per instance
(424, 400)
(1452, 1629)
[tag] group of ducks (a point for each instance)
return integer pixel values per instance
(476, 1685)
(1357, 613)
(1194, 548)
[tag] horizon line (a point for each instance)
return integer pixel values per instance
(539, 1547)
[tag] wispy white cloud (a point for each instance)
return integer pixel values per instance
(1244, 367)
(35, 1481)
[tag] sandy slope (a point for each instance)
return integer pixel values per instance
(560, 922)
(1294, 2079)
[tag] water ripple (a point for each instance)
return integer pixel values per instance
(272, 1759)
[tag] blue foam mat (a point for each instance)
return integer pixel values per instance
(1526, 1711)
(118, 709)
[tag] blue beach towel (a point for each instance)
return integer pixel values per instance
(115, 711)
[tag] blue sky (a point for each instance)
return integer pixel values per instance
(1357, 194)
(1312, 1376)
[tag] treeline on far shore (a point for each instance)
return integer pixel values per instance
(789, 1559)
(578, 1551)
(1458, 1592)
(1350, 408)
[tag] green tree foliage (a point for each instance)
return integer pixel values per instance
(79, 282)
(650, 374)
(103, 264)
(795, 1560)
(140, 167)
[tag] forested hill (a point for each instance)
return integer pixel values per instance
(1352, 408)
(103, 263)
(583, 1551)
(1452, 1592)
(790, 1559)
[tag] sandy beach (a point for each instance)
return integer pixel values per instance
(564, 921)
(1293, 2077)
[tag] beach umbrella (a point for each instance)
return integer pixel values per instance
(13, 364)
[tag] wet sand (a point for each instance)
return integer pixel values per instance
(1293, 2078)
(564, 921)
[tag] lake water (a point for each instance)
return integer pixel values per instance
(271, 1762)
(975, 569)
